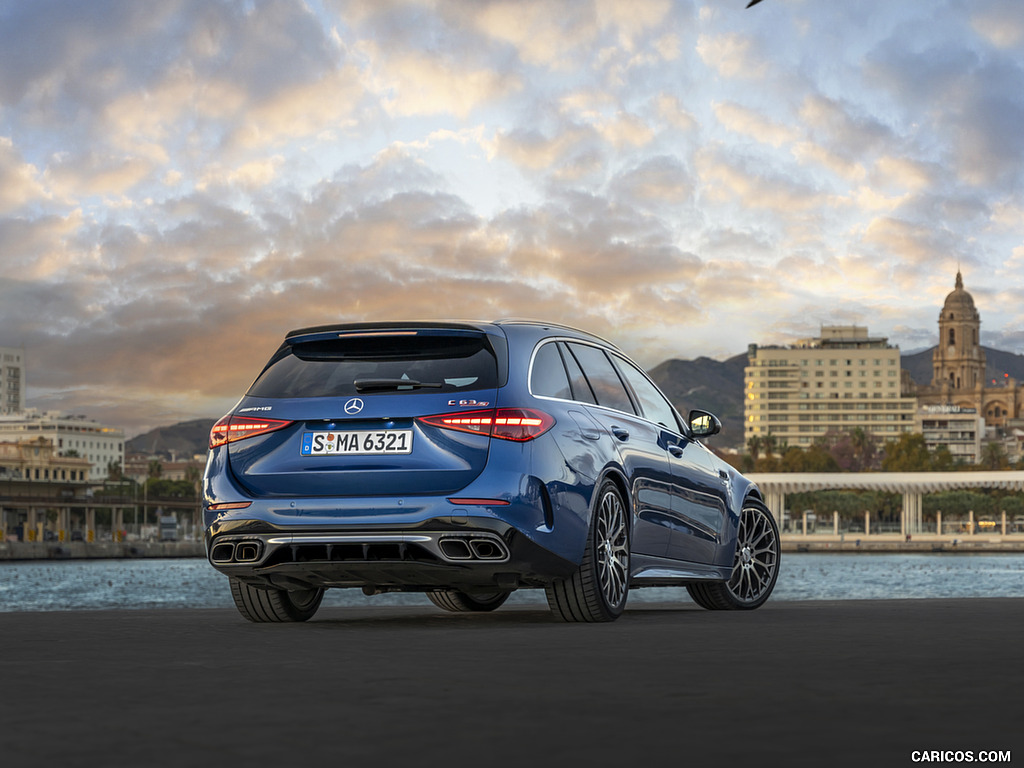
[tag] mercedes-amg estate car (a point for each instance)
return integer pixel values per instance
(467, 460)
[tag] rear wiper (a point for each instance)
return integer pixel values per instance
(367, 385)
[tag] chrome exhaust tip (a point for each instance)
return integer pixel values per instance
(455, 549)
(223, 552)
(487, 549)
(248, 551)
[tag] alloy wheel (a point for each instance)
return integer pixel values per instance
(757, 556)
(612, 548)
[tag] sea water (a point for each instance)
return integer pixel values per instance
(193, 583)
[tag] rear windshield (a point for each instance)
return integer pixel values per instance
(343, 367)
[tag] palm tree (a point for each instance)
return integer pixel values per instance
(864, 448)
(993, 456)
(754, 445)
(194, 475)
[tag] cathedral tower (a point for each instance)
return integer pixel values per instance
(958, 361)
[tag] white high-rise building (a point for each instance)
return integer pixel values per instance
(837, 382)
(12, 380)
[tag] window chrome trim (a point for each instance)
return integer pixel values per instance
(629, 390)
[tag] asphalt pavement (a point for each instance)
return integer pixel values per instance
(865, 683)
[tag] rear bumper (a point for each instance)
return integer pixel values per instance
(481, 554)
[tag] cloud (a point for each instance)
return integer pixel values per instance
(563, 38)
(671, 111)
(816, 155)
(725, 179)
(412, 83)
(96, 173)
(19, 181)
(1000, 23)
(535, 151)
(661, 180)
(842, 131)
(916, 244)
(747, 122)
(732, 55)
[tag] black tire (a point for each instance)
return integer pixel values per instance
(262, 605)
(460, 602)
(598, 589)
(755, 566)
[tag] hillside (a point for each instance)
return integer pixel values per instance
(999, 364)
(182, 440)
(711, 386)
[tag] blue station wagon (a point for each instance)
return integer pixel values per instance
(467, 460)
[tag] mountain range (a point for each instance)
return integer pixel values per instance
(710, 385)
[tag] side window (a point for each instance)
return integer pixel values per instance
(605, 382)
(653, 404)
(580, 388)
(548, 378)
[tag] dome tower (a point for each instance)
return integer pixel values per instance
(959, 361)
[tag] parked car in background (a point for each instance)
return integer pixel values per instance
(468, 460)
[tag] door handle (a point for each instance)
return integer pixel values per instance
(676, 451)
(620, 433)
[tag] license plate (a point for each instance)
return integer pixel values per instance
(357, 442)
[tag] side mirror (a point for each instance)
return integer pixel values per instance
(704, 424)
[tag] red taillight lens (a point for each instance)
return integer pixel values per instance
(233, 428)
(519, 424)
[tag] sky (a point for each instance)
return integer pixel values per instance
(183, 182)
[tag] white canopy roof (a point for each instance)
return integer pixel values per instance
(890, 482)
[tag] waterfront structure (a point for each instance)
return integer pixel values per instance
(73, 436)
(958, 430)
(913, 486)
(12, 380)
(958, 362)
(36, 480)
(840, 381)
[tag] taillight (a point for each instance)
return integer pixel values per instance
(233, 428)
(519, 424)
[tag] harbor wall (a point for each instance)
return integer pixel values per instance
(80, 550)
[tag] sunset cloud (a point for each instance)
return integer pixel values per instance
(180, 184)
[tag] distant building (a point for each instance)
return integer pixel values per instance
(839, 381)
(137, 467)
(959, 430)
(71, 436)
(1013, 440)
(12, 380)
(958, 363)
(35, 460)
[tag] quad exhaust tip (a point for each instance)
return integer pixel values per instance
(236, 552)
(472, 549)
